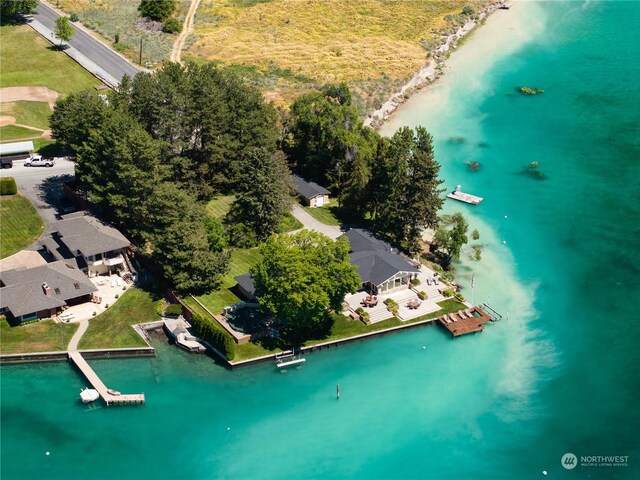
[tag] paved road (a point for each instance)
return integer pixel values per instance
(43, 186)
(88, 46)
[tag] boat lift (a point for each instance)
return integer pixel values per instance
(493, 314)
(289, 358)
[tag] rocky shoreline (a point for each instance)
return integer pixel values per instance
(430, 72)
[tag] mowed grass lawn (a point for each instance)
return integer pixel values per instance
(324, 214)
(43, 336)
(112, 329)
(344, 327)
(241, 262)
(27, 60)
(10, 133)
(20, 224)
(33, 114)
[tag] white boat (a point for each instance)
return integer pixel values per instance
(89, 395)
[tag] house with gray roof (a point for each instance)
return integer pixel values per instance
(312, 194)
(94, 246)
(40, 292)
(379, 266)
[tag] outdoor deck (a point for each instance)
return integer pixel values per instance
(460, 323)
(101, 388)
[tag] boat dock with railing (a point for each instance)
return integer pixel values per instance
(111, 397)
(464, 197)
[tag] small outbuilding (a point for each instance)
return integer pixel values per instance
(312, 194)
(246, 286)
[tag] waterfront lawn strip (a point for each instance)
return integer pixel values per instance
(33, 114)
(242, 259)
(43, 336)
(20, 224)
(324, 214)
(345, 327)
(112, 328)
(27, 59)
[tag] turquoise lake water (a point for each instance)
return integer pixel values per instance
(560, 374)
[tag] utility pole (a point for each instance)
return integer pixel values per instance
(140, 60)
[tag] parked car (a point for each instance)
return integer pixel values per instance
(39, 161)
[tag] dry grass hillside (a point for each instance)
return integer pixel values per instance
(286, 46)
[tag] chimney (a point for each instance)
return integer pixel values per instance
(46, 289)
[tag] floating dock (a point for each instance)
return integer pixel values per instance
(96, 383)
(465, 321)
(464, 197)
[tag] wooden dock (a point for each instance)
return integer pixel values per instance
(465, 321)
(465, 197)
(96, 383)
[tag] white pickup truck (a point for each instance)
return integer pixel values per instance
(39, 161)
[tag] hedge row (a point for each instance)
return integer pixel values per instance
(8, 186)
(207, 329)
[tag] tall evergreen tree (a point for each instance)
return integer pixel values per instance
(263, 194)
(75, 116)
(412, 197)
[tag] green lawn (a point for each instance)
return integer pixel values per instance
(20, 224)
(27, 60)
(11, 133)
(34, 114)
(324, 214)
(219, 206)
(112, 329)
(241, 261)
(289, 223)
(43, 336)
(344, 327)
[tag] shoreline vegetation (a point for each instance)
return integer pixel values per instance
(430, 72)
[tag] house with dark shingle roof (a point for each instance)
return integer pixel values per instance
(380, 268)
(40, 292)
(312, 194)
(94, 246)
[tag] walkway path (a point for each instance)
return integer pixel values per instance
(187, 28)
(310, 223)
(73, 343)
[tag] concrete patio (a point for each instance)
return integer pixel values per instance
(108, 288)
(402, 296)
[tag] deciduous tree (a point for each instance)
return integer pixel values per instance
(64, 30)
(300, 277)
(451, 236)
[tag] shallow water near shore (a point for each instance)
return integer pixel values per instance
(559, 374)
